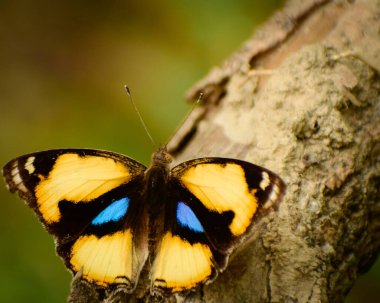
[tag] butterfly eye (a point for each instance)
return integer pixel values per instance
(113, 212)
(187, 218)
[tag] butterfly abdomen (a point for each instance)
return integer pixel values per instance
(154, 196)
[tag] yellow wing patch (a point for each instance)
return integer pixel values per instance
(180, 265)
(77, 179)
(223, 188)
(104, 260)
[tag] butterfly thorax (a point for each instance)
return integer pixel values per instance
(157, 173)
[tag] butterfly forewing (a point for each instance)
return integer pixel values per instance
(227, 196)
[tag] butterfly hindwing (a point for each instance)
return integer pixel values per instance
(111, 250)
(89, 200)
(192, 260)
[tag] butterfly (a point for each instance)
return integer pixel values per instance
(118, 222)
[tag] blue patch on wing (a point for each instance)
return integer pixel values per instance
(187, 218)
(113, 212)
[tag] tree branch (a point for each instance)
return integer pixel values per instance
(315, 120)
(302, 99)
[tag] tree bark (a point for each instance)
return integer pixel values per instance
(301, 98)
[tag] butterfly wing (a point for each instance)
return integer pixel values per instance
(87, 199)
(216, 203)
(184, 258)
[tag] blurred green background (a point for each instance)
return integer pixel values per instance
(63, 66)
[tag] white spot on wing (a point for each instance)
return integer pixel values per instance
(265, 180)
(16, 178)
(273, 196)
(29, 165)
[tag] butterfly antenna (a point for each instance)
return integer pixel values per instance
(138, 113)
(200, 97)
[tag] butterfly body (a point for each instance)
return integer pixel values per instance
(123, 225)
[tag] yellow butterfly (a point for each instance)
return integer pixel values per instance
(120, 223)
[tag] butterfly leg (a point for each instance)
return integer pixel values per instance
(82, 290)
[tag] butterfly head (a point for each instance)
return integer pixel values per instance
(157, 173)
(161, 157)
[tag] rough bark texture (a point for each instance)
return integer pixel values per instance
(314, 118)
(302, 98)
